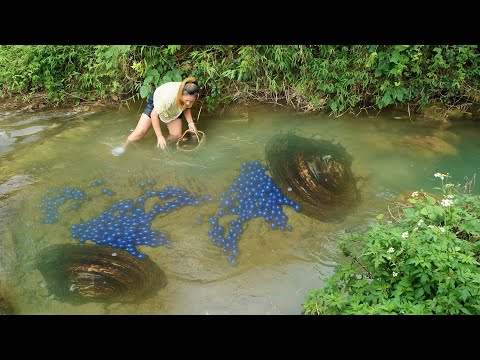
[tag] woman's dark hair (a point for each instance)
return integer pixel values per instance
(191, 88)
(189, 85)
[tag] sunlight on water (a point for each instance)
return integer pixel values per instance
(275, 269)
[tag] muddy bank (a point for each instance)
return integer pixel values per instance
(253, 110)
(40, 102)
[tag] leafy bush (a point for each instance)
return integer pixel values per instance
(333, 78)
(423, 262)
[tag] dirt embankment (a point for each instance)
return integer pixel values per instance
(251, 109)
(39, 102)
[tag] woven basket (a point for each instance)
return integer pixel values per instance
(183, 143)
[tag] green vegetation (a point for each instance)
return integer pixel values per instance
(305, 77)
(423, 262)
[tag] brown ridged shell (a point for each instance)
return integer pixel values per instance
(90, 273)
(318, 173)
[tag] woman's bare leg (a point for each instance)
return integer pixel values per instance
(144, 124)
(175, 129)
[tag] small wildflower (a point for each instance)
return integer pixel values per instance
(394, 274)
(405, 235)
(420, 222)
(414, 194)
(390, 250)
(447, 202)
(440, 175)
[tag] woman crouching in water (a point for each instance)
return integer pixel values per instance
(167, 103)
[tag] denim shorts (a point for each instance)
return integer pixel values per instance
(148, 109)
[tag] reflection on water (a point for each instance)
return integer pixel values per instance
(274, 269)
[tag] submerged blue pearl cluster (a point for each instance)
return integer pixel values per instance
(97, 183)
(253, 194)
(51, 200)
(126, 224)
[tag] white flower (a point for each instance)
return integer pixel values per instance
(440, 175)
(447, 202)
(394, 274)
(405, 235)
(390, 250)
(414, 194)
(420, 222)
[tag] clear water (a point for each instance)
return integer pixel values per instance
(54, 149)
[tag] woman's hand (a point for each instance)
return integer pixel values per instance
(161, 142)
(192, 127)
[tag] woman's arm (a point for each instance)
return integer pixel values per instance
(188, 116)
(161, 142)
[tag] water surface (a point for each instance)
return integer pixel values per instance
(54, 149)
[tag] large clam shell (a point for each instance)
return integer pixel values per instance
(314, 173)
(90, 273)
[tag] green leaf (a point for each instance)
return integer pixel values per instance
(144, 91)
(464, 294)
(419, 292)
(387, 99)
(148, 80)
(178, 77)
(399, 95)
(152, 72)
(109, 53)
(424, 278)
(409, 212)
(430, 200)
(395, 57)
